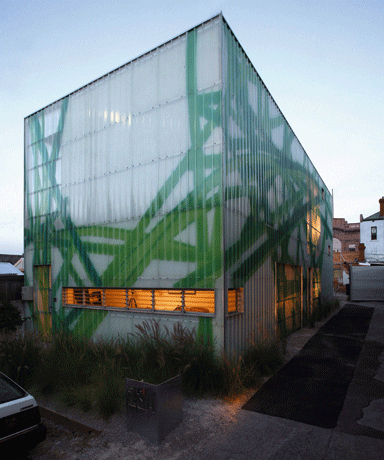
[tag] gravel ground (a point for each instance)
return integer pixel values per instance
(203, 420)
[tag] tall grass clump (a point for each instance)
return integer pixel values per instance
(108, 380)
(204, 372)
(91, 374)
(67, 362)
(20, 356)
(156, 354)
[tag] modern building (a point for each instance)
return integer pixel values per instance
(173, 189)
(372, 236)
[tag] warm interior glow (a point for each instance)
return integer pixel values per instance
(235, 300)
(115, 298)
(140, 298)
(199, 301)
(172, 300)
(168, 300)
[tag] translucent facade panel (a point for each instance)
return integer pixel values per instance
(272, 190)
(209, 54)
(133, 159)
(171, 64)
(176, 171)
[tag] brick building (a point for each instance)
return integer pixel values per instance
(346, 240)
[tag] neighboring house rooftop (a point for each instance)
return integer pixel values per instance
(8, 269)
(11, 258)
(376, 216)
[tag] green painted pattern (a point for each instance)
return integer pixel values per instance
(268, 171)
(139, 247)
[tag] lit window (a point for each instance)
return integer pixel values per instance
(93, 296)
(199, 301)
(166, 300)
(140, 298)
(115, 298)
(235, 300)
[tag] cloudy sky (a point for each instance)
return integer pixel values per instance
(322, 61)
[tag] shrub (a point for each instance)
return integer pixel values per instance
(10, 317)
(204, 372)
(109, 388)
(91, 374)
(232, 377)
(154, 354)
(67, 362)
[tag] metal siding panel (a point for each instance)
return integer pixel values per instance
(367, 283)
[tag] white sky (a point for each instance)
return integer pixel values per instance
(322, 61)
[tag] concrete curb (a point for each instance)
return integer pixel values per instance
(67, 422)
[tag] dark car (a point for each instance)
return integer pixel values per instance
(20, 422)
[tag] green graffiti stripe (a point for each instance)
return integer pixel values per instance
(276, 238)
(253, 154)
(142, 244)
(88, 321)
(205, 330)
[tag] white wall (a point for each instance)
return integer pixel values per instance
(374, 249)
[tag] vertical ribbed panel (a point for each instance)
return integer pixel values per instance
(123, 176)
(276, 208)
(129, 179)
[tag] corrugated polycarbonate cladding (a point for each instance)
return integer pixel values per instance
(135, 135)
(276, 207)
(123, 177)
(175, 171)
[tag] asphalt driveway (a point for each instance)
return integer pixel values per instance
(311, 388)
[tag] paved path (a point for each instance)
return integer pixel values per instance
(358, 430)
